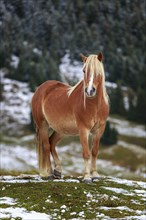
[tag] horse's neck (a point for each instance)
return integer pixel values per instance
(102, 103)
(79, 97)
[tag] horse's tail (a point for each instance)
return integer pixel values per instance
(41, 127)
(43, 151)
(40, 151)
(37, 114)
(39, 148)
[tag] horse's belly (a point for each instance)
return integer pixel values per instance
(65, 127)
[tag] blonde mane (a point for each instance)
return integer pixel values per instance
(72, 88)
(96, 67)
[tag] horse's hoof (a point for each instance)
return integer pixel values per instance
(88, 181)
(57, 174)
(47, 177)
(96, 178)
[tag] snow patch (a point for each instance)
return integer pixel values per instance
(37, 51)
(17, 212)
(127, 128)
(123, 181)
(7, 201)
(141, 193)
(118, 190)
(63, 207)
(14, 61)
(22, 158)
(70, 72)
(136, 217)
(72, 181)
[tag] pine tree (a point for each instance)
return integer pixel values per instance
(136, 110)
(110, 135)
(117, 102)
(141, 106)
(131, 114)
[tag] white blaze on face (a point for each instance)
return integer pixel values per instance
(90, 85)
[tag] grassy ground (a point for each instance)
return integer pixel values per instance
(63, 200)
(140, 141)
(123, 157)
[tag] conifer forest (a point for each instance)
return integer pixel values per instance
(53, 28)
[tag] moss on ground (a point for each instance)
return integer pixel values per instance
(17, 172)
(80, 199)
(124, 157)
(140, 141)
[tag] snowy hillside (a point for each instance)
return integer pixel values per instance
(15, 105)
(15, 114)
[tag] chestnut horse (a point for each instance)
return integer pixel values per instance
(79, 110)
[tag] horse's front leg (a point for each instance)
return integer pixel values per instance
(84, 134)
(95, 147)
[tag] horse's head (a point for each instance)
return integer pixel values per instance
(93, 73)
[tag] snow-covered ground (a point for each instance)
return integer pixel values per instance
(15, 105)
(13, 212)
(16, 157)
(19, 158)
(127, 128)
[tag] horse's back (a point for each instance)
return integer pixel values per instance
(49, 86)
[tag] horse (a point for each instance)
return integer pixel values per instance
(81, 110)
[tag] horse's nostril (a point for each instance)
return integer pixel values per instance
(92, 92)
(93, 89)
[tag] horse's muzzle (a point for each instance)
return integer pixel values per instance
(90, 92)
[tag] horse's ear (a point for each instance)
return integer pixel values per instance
(83, 57)
(100, 56)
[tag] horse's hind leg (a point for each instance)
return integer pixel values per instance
(44, 151)
(55, 137)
